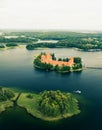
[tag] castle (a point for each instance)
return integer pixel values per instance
(47, 58)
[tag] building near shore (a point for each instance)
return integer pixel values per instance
(47, 58)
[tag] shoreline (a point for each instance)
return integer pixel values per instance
(49, 119)
(11, 47)
(61, 72)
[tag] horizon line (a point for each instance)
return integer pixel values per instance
(66, 30)
(52, 30)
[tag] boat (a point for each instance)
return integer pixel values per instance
(78, 91)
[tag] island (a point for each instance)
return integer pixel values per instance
(49, 62)
(46, 105)
(49, 105)
(8, 46)
(11, 44)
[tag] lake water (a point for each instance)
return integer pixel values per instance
(47, 41)
(16, 70)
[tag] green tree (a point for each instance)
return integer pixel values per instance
(65, 68)
(56, 68)
(77, 60)
(59, 59)
(53, 56)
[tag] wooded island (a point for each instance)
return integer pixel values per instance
(49, 62)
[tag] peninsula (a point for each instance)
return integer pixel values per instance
(46, 61)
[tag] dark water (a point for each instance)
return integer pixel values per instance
(16, 70)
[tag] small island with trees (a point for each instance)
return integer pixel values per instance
(47, 105)
(8, 46)
(49, 62)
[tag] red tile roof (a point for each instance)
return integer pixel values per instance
(47, 58)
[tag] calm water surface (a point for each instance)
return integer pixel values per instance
(16, 70)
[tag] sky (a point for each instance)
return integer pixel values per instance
(51, 14)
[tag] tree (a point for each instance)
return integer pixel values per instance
(77, 60)
(59, 59)
(53, 56)
(65, 68)
(77, 66)
(56, 68)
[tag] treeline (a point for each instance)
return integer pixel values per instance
(54, 35)
(56, 103)
(84, 41)
(80, 43)
(45, 35)
(17, 40)
(8, 45)
(41, 45)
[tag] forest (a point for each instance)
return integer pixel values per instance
(55, 103)
(83, 41)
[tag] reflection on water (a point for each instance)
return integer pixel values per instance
(16, 70)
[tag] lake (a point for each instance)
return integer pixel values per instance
(17, 71)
